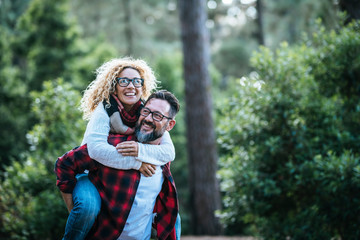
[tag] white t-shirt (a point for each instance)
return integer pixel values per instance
(139, 222)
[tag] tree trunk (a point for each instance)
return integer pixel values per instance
(128, 27)
(352, 8)
(201, 146)
(259, 21)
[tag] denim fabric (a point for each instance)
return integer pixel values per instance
(178, 227)
(87, 205)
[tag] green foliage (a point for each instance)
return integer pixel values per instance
(38, 48)
(13, 104)
(10, 10)
(46, 41)
(60, 126)
(335, 182)
(287, 20)
(138, 28)
(92, 54)
(233, 51)
(168, 69)
(29, 203)
(41, 41)
(30, 200)
(49, 46)
(289, 141)
(45, 44)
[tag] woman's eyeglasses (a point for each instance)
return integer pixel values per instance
(124, 82)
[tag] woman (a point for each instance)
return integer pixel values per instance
(115, 97)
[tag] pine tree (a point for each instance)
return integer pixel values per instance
(45, 44)
(202, 155)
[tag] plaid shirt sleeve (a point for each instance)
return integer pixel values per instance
(77, 161)
(71, 163)
(166, 207)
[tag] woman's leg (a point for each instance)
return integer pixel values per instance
(178, 227)
(87, 204)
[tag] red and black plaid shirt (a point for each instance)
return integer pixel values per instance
(117, 189)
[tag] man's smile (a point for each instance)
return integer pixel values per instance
(147, 126)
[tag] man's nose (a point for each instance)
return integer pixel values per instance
(149, 117)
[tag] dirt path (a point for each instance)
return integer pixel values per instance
(215, 238)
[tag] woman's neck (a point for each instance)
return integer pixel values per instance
(127, 107)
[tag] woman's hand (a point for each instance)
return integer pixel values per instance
(128, 148)
(147, 169)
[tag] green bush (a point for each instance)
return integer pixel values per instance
(289, 141)
(30, 203)
(45, 44)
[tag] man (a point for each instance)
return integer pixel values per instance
(128, 200)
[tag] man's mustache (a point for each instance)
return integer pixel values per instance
(148, 123)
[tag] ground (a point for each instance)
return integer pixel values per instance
(215, 238)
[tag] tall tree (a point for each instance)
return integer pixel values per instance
(13, 104)
(288, 20)
(10, 10)
(40, 46)
(351, 7)
(13, 92)
(43, 45)
(46, 42)
(202, 155)
(259, 21)
(128, 27)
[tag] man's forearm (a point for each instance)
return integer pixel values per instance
(68, 200)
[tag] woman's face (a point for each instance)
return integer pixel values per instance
(128, 95)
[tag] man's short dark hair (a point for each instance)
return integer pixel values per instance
(170, 98)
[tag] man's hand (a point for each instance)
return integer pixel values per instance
(147, 169)
(68, 200)
(128, 148)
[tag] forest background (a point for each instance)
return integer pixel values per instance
(284, 87)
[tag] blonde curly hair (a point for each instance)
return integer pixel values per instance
(105, 82)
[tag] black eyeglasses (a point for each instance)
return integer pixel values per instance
(124, 82)
(155, 115)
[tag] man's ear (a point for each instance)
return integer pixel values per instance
(171, 124)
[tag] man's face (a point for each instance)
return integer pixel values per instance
(147, 129)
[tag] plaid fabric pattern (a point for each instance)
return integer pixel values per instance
(128, 117)
(117, 189)
(166, 207)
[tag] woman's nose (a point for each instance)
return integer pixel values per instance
(131, 85)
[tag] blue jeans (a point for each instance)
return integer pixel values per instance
(178, 227)
(87, 203)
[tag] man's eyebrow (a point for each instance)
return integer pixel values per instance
(156, 111)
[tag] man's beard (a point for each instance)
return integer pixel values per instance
(148, 137)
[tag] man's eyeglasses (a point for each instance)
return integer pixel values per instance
(124, 82)
(155, 115)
